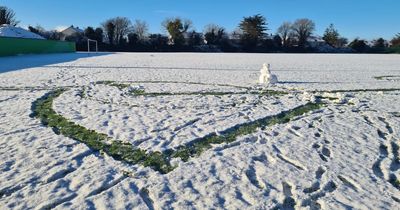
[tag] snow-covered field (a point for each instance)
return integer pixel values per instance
(341, 156)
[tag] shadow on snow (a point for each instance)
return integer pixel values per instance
(19, 62)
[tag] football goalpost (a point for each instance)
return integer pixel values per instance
(88, 45)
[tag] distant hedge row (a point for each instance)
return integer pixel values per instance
(15, 46)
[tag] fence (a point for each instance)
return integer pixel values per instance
(16, 46)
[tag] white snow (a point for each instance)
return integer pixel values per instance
(266, 77)
(12, 31)
(342, 156)
(180, 118)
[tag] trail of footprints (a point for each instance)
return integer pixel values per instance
(289, 202)
(315, 192)
(322, 149)
(251, 172)
(76, 162)
(319, 189)
(322, 187)
(288, 160)
(388, 161)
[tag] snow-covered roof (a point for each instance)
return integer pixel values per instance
(71, 30)
(12, 31)
(315, 39)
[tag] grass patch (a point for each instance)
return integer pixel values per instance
(388, 77)
(137, 92)
(155, 94)
(207, 93)
(23, 88)
(191, 83)
(120, 86)
(361, 90)
(159, 161)
(395, 114)
(82, 93)
(394, 181)
(327, 98)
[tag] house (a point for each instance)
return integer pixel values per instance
(316, 41)
(319, 45)
(70, 31)
(12, 31)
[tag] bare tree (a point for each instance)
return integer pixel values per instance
(141, 29)
(117, 28)
(286, 33)
(7, 16)
(122, 27)
(303, 28)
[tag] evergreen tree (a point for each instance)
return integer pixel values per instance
(359, 45)
(396, 41)
(109, 27)
(98, 35)
(90, 33)
(277, 41)
(331, 36)
(379, 43)
(253, 30)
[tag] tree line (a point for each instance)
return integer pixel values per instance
(251, 35)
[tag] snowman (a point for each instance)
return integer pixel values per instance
(266, 77)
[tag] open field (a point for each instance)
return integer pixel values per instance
(195, 131)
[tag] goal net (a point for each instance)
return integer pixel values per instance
(92, 46)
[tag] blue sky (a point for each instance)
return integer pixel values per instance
(367, 19)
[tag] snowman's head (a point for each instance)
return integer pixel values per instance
(265, 69)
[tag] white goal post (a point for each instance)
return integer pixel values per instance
(88, 45)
